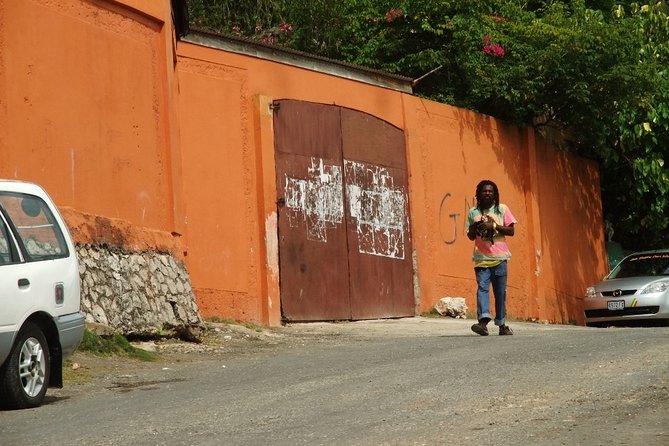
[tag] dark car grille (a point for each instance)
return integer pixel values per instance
(622, 293)
(632, 311)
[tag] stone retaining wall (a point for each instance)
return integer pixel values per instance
(135, 293)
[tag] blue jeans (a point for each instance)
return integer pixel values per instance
(496, 275)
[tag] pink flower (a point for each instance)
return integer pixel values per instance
(393, 14)
(494, 49)
(285, 28)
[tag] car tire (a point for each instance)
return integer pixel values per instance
(24, 378)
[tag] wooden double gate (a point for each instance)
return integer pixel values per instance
(344, 237)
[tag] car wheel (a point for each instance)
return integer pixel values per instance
(24, 378)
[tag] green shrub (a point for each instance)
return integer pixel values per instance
(113, 345)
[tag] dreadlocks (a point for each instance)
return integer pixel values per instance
(479, 190)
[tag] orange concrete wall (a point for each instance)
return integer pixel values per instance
(228, 148)
(220, 189)
(450, 151)
(558, 246)
(86, 93)
(571, 253)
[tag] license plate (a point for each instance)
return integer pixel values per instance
(616, 305)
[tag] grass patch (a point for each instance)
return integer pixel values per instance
(80, 375)
(431, 313)
(221, 320)
(113, 345)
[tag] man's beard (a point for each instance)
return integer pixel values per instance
(486, 203)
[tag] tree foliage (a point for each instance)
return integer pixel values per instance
(595, 70)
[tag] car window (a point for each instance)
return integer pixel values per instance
(656, 264)
(36, 227)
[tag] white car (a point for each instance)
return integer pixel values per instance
(40, 318)
(636, 289)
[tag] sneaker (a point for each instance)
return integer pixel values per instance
(480, 329)
(504, 330)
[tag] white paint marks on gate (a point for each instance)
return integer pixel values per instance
(316, 200)
(378, 208)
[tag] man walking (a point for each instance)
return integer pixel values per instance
(488, 223)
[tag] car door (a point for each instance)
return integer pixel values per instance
(11, 302)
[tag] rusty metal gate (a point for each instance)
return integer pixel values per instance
(344, 238)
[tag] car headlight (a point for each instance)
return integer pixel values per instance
(590, 292)
(656, 287)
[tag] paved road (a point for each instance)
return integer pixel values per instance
(400, 382)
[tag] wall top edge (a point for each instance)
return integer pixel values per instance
(299, 59)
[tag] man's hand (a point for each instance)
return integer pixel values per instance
(487, 222)
(474, 227)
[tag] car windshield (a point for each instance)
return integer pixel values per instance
(656, 264)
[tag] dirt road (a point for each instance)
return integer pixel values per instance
(397, 382)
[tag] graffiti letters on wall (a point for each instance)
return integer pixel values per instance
(375, 205)
(450, 218)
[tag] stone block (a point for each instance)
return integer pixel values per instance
(452, 306)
